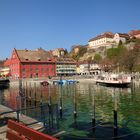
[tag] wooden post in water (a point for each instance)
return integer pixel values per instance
(41, 97)
(93, 113)
(20, 95)
(49, 99)
(57, 116)
(60, 108)
(115, 116)
(30, 93)
(17, 108)
(50, 108)
(35, 94)
(75, 107)
(26, 91)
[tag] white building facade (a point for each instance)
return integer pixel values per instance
(120, 37)
(105, 39)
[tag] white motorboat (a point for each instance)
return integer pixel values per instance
(115, 80)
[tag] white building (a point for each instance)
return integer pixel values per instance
(135, 33)
(58, 52)
(87, 68)
(120, 37)
(105, 39)
(65, 66)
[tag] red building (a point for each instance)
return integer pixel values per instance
(29, 64)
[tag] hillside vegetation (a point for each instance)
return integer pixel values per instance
(124, 56)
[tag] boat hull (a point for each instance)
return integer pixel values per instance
(113, 84)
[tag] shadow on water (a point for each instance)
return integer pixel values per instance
(101, 133)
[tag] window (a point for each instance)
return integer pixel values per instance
(36, 69)
(23, 70)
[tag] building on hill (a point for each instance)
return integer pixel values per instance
(121, 37)
(105, 39)
(88, 68)
(31, 63)
(134, 33)
(76, 48)
(65, 66)
(58, 52)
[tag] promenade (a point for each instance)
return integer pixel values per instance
(32, 123)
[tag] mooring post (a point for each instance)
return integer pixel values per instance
(26, 91)
(35, 94)
(52, 116)
(57, 116)
(75, 107)
(17, 108)
(17, 115)
(30, 93)
(20, 95)
(60, 108)
(42, 114)
(115, 123)
(115, 116)
(41, 97)
(93, 118)
(50, 109)
(49, 100)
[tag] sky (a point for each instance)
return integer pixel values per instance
(51, 24)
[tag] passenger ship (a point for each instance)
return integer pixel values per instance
(114, 80)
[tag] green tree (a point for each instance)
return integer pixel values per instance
(131, 59)
(112, 52)
(97, 58)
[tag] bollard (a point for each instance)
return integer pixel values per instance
(115, 123)
(75, 114)
(60, 110)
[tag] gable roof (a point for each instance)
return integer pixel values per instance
(134, 32)
(34, 55)
(104, 35)
(65, 60)
(124, 35)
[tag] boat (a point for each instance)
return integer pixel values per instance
(4, 82)
(44, 83)
(61, 82)
(114, 80)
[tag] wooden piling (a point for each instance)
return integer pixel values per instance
(115, 127)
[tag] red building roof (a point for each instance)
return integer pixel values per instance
(65, 60)
(106, 34)
(34, 55)
(134, 32)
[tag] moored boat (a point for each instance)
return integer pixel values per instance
(64, 81)
(114, 80)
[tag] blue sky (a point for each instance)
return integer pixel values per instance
(53, 24)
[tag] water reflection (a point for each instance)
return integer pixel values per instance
(82, 110)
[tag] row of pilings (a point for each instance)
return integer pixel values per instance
(32, 94)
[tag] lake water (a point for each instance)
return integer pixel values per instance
(81, 104)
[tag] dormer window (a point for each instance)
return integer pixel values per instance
(26, 59)
(39, 59)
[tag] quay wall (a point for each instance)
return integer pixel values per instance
(80, 78)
